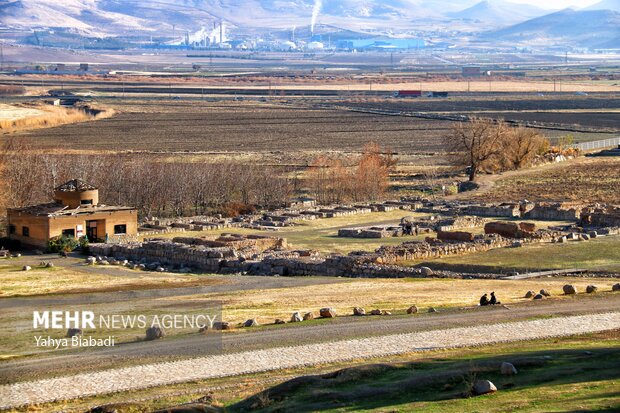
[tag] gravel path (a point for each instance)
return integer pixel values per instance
(130, 378)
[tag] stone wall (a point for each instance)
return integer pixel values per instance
(553, 212)
(506, 211)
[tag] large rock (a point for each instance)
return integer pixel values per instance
(508, 369)
(154, 333)
(483, 387)
(527, 226)
(251, 323)
(91, 260)
(26, 268)
(375, 312)
(591, 289)
(455, 236)
(328, 312)
(358, 311)
(412, 310)
(433, 310)
(615, 287)
(72, 332)
(308, 316)
(222, 325)
(425, 271)
(569, 289)
(505, 229)
(539, 297)
(296, 317)
(530, 294)
(279, 321)
(545, 293)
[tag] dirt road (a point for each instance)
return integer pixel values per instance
(341, 328)
(284, 357)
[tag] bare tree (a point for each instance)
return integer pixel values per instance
(522, 146)
(477, 144)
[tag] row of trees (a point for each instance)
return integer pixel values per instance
(484, 145)
(153, 185)
(351, 178)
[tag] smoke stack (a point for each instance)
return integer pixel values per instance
(221, 32)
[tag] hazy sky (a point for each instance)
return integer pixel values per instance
(558, 4)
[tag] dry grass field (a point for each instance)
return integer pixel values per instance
(395, 295)
(62, 280)
(584, 180)
(25, 117)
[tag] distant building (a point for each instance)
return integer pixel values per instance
(75, 212)
(472, 71)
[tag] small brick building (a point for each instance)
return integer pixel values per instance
(76, 212)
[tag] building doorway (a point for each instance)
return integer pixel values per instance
(91, 231)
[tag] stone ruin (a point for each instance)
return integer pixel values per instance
(413, 226)
(271, 220)
(262, 255)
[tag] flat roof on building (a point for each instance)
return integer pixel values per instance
(54, 209)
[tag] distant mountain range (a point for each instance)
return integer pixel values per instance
(499, 12)
(495, 19)
(589, 28)
(606, 5)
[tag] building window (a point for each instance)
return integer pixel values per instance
(12, 229)
(68, 232)
(86, 202)
(120, 229)
(25, 231)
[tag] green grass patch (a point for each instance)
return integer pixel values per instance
(598, 254)
(567, 378)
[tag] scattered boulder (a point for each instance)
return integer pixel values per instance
(455, 236)
(251, 323)
(154, 333)
(358, 311)
(412, 310)
(91, 260)
(328, 312)
(385, 312)
(539, 297)
(569, 289)
(483, 387)
(425, 271)
(308, 316)
(591, 289)
(72, 332)
(505, 229)
(615, 287)
(26, 268)
(508, 369)
(296, 317)
(222, 325)
(546, 293)
(375, 312)
(49, 265)
(279, 321)
(527, 226)
(432, 310)
(530, 294)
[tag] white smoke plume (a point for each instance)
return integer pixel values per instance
(318, 4)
